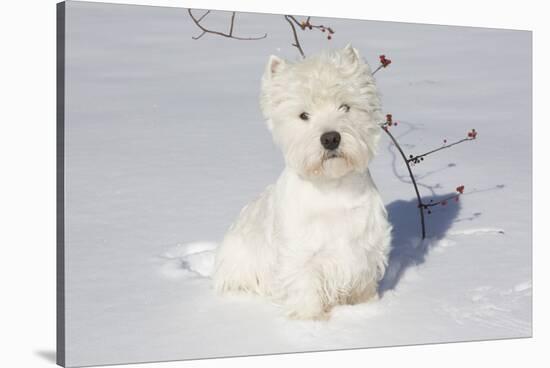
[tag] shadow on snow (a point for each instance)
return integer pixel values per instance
(407, 247)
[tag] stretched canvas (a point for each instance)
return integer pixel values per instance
(162, 140)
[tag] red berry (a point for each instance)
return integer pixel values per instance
(385, 62)
(460, 189)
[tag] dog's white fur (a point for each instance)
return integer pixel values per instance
(319, 236)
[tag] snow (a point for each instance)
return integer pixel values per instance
(165, 143)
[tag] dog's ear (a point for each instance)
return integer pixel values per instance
(351, 53)
(274, 66)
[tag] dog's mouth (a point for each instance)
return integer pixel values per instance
(332, 154)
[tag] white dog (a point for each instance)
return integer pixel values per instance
(319, 237)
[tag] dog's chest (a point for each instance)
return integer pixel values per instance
(326, 222)
(323, 217)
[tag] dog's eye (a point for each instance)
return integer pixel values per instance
(304, 116)
(344, 107)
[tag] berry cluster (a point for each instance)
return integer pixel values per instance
(443, 202)
(305, 24)
(384, 61)
(472, 134)
(415, 160)
(389, 120)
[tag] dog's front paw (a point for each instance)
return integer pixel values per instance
(308, 315)
(367, 294)
(310, 310)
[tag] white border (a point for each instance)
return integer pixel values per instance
(486, 13)
(27, 180)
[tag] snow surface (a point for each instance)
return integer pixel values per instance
(165, 143)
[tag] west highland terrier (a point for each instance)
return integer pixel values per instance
(319, 236)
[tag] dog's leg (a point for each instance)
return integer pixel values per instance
(239, 268)
(302, 292)
(244, 259)
(358, 296)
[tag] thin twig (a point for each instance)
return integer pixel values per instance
(377, 69)
(199, 36)
(445, 200)
(203, 16)
(232, 24)
(307, 24)
(303, 26)
(296, 43)
(228, 35)
(413, 180)
(293, 18)
(415, 158)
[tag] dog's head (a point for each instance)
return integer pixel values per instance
(323, 112)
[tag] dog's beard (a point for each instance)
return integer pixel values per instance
(336, 165)
(330, 164)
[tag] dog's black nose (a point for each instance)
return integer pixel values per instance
(330, 140)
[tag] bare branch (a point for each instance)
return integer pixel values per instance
(228, 35)
(442, 201)
(290, 19)
(305, 25)
(199, 36)
(232, 24)
(413, 180)
(409, 162)
(203, 16)
(377, 69)
(416, 158)
(293, 18)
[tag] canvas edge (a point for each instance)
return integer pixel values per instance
(60, 183)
